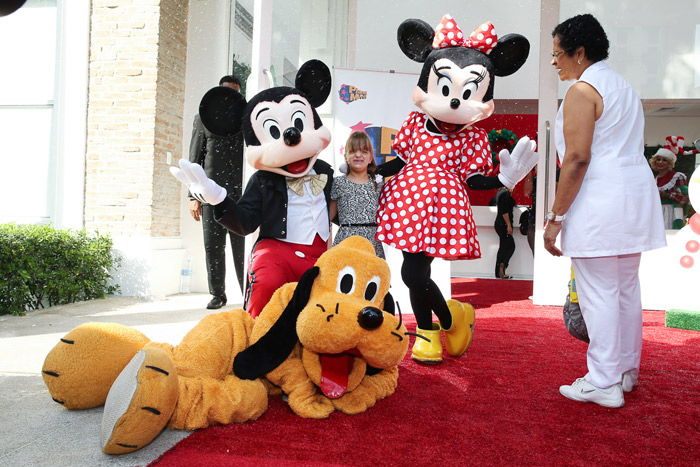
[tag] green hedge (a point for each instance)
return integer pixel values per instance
(41, 265)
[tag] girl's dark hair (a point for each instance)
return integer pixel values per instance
(359, 141)
(586, 31)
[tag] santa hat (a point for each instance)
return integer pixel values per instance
(670, 151)
(667, 153)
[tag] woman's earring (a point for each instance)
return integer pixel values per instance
(579, 61)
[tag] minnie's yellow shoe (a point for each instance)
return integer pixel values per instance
(428, 351)
(459, 336)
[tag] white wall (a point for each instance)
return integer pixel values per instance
(652, 44)
(71, 113)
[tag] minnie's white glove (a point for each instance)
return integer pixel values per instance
(201, 187)
(515, 166)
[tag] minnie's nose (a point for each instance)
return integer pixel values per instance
(292, 136)
(370, 318)
(454, 103)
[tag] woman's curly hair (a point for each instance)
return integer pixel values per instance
(586, 31)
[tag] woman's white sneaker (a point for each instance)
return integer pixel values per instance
(583, 391)
(629, 379)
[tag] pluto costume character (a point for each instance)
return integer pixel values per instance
(287, 198)
(325, 341)
(424, 209)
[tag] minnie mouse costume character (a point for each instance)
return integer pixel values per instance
(287, 198)
(424, 210)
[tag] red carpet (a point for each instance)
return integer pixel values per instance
(497, 405)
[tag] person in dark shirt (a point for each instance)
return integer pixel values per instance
(504, 228)
(222, 160)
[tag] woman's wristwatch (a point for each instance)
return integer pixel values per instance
(551, 217)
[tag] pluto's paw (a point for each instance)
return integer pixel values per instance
(140, 402)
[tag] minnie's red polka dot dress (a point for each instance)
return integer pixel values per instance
(425, 207)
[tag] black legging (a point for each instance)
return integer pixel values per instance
(506, 247)
(425, 295)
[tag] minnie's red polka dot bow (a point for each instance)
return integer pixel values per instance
(448, 34)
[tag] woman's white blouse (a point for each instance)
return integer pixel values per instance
(617, 210)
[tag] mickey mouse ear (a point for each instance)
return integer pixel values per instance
(314, 80)
(10, 6)
(221, 110)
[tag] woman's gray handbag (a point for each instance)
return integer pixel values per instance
(573, 318)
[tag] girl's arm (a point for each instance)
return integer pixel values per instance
(333, 210)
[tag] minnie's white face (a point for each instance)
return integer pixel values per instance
(289, 143)
(454, 97)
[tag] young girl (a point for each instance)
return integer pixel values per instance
(355, 196)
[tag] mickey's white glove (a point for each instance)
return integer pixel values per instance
(201, 187)
(515, 166)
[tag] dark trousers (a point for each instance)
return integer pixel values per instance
(506, 247)
(215, 248)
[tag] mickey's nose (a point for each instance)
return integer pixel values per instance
(292, 136)
(370, 318)
(454, 103)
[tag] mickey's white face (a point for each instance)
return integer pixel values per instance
(454, 97)
(289, 143)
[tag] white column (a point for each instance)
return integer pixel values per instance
(551, 274)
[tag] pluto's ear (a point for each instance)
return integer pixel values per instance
(509, 54)
(314, 80)
(415, 38)
(221, 110)
(274, 347)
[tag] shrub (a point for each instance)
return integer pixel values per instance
(42, 265)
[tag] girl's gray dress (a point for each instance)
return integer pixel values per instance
(357, 210)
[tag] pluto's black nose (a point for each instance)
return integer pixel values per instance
(370, 318)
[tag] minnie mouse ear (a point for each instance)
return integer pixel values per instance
(510, 54)
(415, 38)
(221, 110)
(314, 80)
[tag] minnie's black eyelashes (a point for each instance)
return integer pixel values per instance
(436, 70)
(480, 76)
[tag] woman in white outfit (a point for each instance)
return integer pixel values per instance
(607, 207)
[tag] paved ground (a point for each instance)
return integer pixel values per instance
(36, 431)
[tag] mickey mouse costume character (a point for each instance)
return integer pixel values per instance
(424, 210)
(288, 196)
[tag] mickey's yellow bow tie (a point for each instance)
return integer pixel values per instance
(318, 182)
